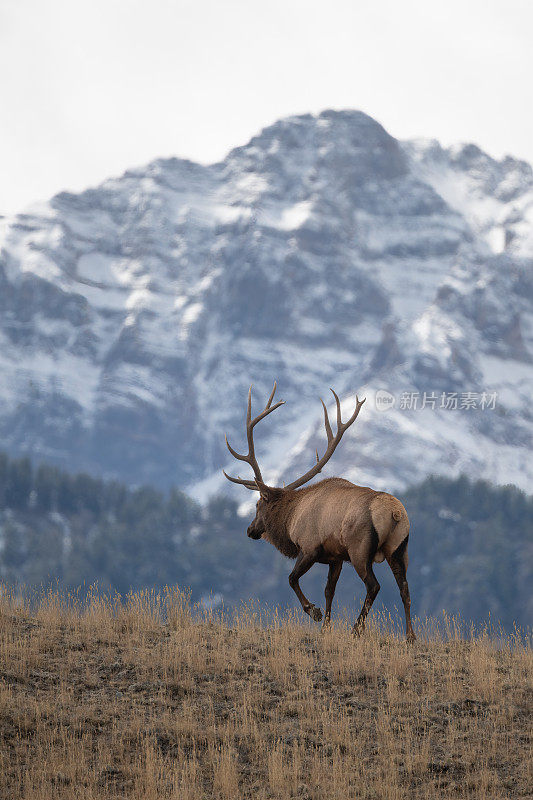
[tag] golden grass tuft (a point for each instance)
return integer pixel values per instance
(149, 698)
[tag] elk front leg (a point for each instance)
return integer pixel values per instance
(333, 576)
(398, 565)
(304, 562)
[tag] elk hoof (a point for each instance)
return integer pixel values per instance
(314, 612)
(411, 637)
(326, 624)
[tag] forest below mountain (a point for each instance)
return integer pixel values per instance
(470, 549)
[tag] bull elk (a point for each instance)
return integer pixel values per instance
(329, 522)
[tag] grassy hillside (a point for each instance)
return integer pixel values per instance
(148, 699)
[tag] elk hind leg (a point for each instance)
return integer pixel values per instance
(362, 557)
(398, 565)
(333, 576)
(304, 562)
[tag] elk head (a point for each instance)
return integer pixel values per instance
(271, 494)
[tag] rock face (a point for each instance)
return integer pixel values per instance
(135, 315)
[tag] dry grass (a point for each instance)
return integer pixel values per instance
(145, 699)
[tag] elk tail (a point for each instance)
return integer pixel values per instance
(391, 523)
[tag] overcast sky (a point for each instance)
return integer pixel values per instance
(88, 89)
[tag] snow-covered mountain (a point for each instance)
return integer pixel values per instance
(323, 253)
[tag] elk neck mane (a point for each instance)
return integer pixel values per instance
(276, 519)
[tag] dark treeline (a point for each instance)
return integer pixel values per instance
(471, 549)
(78, 529)
(471, 546)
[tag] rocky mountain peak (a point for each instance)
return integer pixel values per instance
(323, 252)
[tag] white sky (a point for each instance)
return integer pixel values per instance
(88, 89)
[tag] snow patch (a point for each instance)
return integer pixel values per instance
(286, 218)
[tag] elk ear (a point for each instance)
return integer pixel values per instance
(270, 493)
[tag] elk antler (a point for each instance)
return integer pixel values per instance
(333, 441)
(249, 457)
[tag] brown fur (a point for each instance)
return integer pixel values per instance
(333, 515)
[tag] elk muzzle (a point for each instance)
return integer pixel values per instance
(255, 531)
